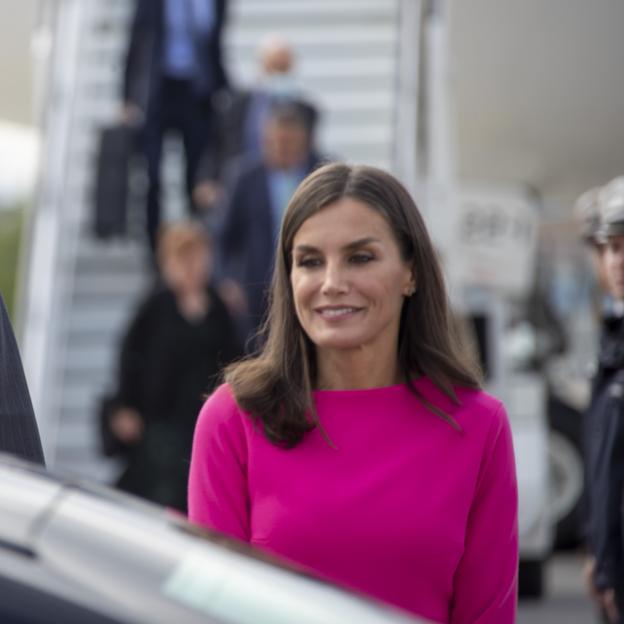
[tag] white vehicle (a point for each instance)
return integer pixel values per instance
(487, 238)
(524, 395)
(493, 266)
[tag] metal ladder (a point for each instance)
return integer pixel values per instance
(77, 293)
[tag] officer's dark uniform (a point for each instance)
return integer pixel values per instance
(604, 438)
(604, 446)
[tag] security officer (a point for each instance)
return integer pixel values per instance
(605, 420)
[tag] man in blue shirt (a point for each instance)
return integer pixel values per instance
(604, 420)
(172, 70)
(256, 196)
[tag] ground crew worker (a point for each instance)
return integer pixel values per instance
(605, 420)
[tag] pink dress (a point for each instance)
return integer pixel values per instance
(403, 507)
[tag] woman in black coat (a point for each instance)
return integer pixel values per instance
(171, 356)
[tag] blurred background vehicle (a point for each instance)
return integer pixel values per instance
(74, 553)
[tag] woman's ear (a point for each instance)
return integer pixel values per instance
(410, 287)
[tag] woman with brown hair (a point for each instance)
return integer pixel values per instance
(357, 442)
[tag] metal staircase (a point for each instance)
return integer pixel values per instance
(77, 293)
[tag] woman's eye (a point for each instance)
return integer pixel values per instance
(360, 258)
(308, 262)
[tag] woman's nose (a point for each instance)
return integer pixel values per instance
(334, 280)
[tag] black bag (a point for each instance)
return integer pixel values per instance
(114, 156)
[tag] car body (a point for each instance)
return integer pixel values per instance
(72, 552)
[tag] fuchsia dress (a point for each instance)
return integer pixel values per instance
(403, 507)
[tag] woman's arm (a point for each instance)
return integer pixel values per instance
(218, 488)
(485, 583)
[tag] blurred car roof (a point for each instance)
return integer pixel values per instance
(77, 552)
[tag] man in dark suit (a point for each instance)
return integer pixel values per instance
(173, 68)
(18, 429)
(256, 197)
(240, 115)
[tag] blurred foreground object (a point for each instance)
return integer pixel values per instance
(18, 428)
(79, 554)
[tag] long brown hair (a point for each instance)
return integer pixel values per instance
(275, 385)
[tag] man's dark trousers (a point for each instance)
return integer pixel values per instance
(179, 109)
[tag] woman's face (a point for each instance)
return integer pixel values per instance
(348, 278)
(188, 270)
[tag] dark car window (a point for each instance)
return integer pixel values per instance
(22, 604)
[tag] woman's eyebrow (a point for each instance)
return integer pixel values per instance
(360, 242)
(305, 249)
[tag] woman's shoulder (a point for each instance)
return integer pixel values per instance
(467, 398)
(474, 408)
(222, 399)
(221, 410)
(481, 411)
(221, 423)
(479, 399)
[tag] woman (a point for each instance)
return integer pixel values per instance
(173, 351)
(357, 443)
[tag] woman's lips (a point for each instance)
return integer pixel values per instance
(337, 312)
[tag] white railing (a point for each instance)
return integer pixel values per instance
(405, 157)
(42, 279)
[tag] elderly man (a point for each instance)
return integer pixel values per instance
(18, 428)
(605, 420)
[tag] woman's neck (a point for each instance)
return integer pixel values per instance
(355, 370)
